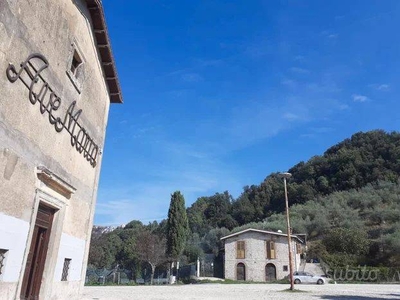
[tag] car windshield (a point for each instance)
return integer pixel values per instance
(303, 274)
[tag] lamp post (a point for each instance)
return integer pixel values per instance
(286, 176)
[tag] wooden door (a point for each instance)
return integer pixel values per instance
(241, 271)
(270, 272)
(37, 254)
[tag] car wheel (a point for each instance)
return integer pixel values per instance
(320, 281)
(297, 281)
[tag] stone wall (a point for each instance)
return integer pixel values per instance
(28, 141)
(255, 259)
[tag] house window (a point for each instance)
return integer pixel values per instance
(75, 67)
(240, 249)
(76, 63)
(270, 250)
(64, 276)
(298, 248)
(285, 268)
(2, 260)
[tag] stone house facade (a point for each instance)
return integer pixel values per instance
(258, 255)
(57, 80)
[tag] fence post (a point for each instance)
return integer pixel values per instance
(198, 268)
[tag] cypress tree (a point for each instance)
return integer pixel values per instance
(177, 226)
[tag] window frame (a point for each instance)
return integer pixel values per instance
(299, 248)
(3, 259)
(66, 269)
(240, 249)
(76, 63)
(270, 249)
(76, 74)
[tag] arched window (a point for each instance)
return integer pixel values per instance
(241, 272)
(270, 272)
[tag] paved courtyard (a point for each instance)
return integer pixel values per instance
(245, 292)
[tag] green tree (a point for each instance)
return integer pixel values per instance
(349, 241)
(196, 218)
(177, 226)
(151, 249)
(211, 242)
(218, 209)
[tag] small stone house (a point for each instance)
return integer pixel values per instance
(259, 255)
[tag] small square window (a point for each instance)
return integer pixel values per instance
(76, 63)
(2, 260)
(285, 268)
(64, 276)
(76, 67)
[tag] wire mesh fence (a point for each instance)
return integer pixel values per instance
(208, 267)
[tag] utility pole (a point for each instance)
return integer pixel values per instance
(285, 176)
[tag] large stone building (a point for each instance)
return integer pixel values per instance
(57, 79)
(258, 255)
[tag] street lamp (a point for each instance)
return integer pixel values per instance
(286, 176)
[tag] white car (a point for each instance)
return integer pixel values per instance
(305, 277)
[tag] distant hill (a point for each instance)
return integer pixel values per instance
(346, 200)
(366, 157)
(99, 230)
(351, 191)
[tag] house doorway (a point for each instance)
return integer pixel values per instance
(37, 253)
(241, 272)
(270, 272)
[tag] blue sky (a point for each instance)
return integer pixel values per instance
(218, 94)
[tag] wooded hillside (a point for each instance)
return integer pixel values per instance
(347, 201)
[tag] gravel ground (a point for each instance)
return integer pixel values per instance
(245, 292)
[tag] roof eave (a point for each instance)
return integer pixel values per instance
(259, 231)
(103, 45)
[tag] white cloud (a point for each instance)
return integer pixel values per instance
(146, 195)
(194, 163)
(299, 70)
(118, 211)
(383, 87)
(307, 135)
(300, 58)
(289, 83)
(316, 131)
(322, 129)
(208, 62)
(191, 77)
(329, 34)
(149, 200)
(359, 98)
(187, 75)
(291, 116)
(343, 106)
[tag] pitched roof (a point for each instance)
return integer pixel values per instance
(261, 231)
(104, 47)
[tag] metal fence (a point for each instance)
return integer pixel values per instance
(108, 276)
(208, 268)
(123, 276)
